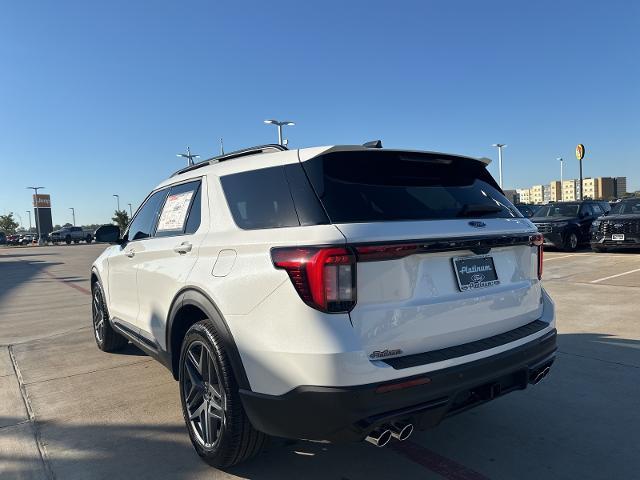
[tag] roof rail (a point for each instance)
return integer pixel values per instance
(238, 153)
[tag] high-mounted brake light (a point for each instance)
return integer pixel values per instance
(537, 240)
(325, 278)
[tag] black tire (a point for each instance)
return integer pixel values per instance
(236, 439)
(571, 241)
(107, 339)
(67, 240)
(88, 239)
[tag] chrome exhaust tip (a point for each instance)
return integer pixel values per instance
(401, 431)
(538, 376)
(379, 437)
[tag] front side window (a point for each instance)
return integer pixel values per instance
(559, 210)
(143, 223)
(176, 209)
(626, 207)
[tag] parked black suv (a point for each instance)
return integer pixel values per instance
(527, 211)
(566, 225)
(619, 229)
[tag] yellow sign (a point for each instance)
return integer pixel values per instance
(580, 151)
(42, 200)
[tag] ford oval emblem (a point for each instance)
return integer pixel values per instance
(477, 277)
(477, 224)
(618, 225)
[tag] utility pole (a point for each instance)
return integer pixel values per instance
(221, 147)
(35, 189)
(29, 213)
(189, 156)
(73, 212)
(279, 124)
(500, 146)
(117, 201)
(130, 211)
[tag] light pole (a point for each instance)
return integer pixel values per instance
(189, 156)
(35, 189)
(73, 212)
(29, 213)
(117, 201)
(279, 125)
(130, 211)
(500, 146)
(561, 170)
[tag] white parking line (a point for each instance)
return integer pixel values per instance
(548, 259)
(614, 276)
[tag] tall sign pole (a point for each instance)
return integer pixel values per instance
(580, 156)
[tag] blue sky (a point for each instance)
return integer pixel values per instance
(97, 98)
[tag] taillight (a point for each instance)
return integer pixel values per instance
(370, 253)
(325, 278)
(537, 240)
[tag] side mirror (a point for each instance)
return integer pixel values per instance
(107, 234)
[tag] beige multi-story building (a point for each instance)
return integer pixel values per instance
(570, 190)
(590, 186)
(555, 191)
(523, 195)
(536, 194)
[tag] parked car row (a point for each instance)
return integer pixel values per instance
(567, 225)
(19, 239)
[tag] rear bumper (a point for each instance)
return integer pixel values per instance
(350, 413)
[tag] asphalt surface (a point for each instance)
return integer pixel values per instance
(69, 411)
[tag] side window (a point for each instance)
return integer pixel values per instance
(173, 217)
(260, 199)
(145, 219)
(597, 209)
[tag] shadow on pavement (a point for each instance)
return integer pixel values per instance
(580, 422)
(14, 273)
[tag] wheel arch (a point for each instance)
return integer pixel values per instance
(189, 306)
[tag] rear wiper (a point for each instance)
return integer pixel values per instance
(472, 209)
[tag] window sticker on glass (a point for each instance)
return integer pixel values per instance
(175, 212)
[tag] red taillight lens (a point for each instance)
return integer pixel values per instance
(325, 278)
(537, 240)
(369, 253)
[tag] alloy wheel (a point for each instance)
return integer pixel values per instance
(98, 315)
(203, 394)
(573, 241)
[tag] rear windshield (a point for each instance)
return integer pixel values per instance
(557, 210)
(385, 186)
(626, 207)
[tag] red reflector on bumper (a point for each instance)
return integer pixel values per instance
(390, 387)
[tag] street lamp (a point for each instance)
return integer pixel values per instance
(29, 213)
(279, 125)
(500, 146)
(35, 190)
(130, 211)
(117, 200)
(189, 156)
(561, 165)
(73, 211)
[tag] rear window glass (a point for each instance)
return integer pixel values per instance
(385, 186)
(260, 199)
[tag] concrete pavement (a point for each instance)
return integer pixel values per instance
(69, 411)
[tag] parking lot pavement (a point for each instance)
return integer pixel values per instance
(69, 411)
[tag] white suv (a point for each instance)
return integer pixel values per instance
(334, 293)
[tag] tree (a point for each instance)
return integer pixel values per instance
(8, 224)
(121, 218)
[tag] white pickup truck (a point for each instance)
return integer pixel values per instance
(71, 234)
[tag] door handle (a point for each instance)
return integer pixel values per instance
(130, 253)
(182, 248)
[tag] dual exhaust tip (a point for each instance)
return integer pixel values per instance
(538, 375)
(383, 435)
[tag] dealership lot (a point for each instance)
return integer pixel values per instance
(69, 411)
